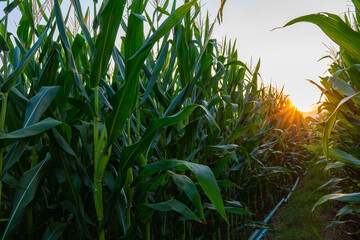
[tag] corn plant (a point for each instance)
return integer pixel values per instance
(340, 136)
(153, 134)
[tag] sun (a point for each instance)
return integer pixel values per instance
(303, 105)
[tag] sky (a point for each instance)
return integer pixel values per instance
(288, 56)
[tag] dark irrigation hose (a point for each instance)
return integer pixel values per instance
(258, 234)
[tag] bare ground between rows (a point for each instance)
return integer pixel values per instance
(283, 222)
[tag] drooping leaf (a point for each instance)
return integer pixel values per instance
(204, 176)
(348, 209)
(336, 29)
(188, 186)
(24, 196)
(344, 158)
(227, 183)
(176, 206)
(28, 131)
(350, 197)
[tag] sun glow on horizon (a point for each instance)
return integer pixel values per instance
(302, 105)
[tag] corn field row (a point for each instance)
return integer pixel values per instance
(149, 128)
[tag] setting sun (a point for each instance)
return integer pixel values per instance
(302, 105)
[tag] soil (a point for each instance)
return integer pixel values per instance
(325, 215)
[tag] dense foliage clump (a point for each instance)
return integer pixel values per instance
(340, 130)
(142, 127)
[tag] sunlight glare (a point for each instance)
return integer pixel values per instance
(302, 105)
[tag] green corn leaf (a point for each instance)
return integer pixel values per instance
(357, 4)
(49, 72)
(11, 181)
(237, 210)
(163, 11)
(28, 131)
(183, 55)
(330, 123)
(155, 73)
(227, 183)
(336, 29)
(54, 231)
(67, 48)
(124, 100)
(220, 165)
(141, 146)
(176, 206)
(112, 13)
(327, 132)
(77, 46)
(48, 43)
(254, 80)
(202, 51)
(203, 174)
(12, 156)
(24, 196)
(119, 62)
(188, 186)
(208, 183)
(330, 183)
(223, 147)
(79, 15)
(84, 108)
(38, 104)
(210, 118)
(5, 88)
(63, 36)
(13, 119)
(25, 31)
(351, 197)
(239, 131)
(3, 45)
(62, 143)
(342, 87)
(166, 26)
(348, 209)
(12, 6)
(344, 158)
(69, 182)
(337, 154)
(67, 148)
(129, 153)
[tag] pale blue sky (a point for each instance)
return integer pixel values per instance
(288, 56)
